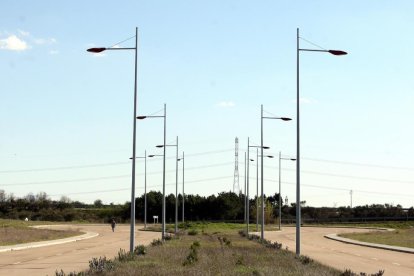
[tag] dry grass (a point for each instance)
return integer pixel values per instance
(238, 257)
(16, 232)
(400, 237)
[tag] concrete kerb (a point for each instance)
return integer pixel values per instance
(373, 245)
(23, 246)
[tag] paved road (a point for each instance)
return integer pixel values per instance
(71, 256)
(344, 256)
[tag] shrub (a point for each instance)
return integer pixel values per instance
(349, 272)
(100, 265)
(227, 241)
(192, 256)
(124, 256)
(156, 242)
(195, 245)
(240, 260)
(305, 259)
(62, 273)
(192, 232)
(140, 250)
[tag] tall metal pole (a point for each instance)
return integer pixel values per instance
(163, 175)
(257, 189)
(298, 215)
(176, 189)
(245, 181)
(132, 231)
(183, 188)
(145, 193)
(280, 194)
(247, 184)
(261, 160)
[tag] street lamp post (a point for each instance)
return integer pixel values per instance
(257, 189)
(261, 139)
(245, 189)
(163, 166)
(183, 185)
(176, 182)
(298, 211)
(145, 187)
(99, 50)
(257, 181)
(280, 187)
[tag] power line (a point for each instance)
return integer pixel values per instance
(345, 189)
(151, 186)
(350, 176)
(359, 164)
(102, 164)
(66, 168)
(107, 177)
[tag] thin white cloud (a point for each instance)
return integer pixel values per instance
(24, 33)
(13, 43)
(53, 52)
(44, 41)
(226, 104)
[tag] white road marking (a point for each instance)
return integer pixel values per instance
(396, 264)
(375, 259)
(16, 263)
(356, 254)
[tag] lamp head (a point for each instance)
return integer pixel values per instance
(265, 147)
(337, 52)
(159, 146)
(96, 50)
(151, 155)
(285, 119)
(141, 117)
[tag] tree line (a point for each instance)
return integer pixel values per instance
(225, 206)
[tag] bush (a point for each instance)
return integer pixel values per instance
(100, 265)
(192, 256)
(156, 242)
(62, 273)
(140, 250)
(124, 256)
(349, 272)
(305, 259)
(192, 232)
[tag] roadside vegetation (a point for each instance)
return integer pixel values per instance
(16, 232)
(400, 237)
(209, 249)
(221, 207)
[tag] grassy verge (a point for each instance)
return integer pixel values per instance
(399, 237)
(385, 224)
(209, 249)
(17, 232)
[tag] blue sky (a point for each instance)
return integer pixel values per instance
(66, 115)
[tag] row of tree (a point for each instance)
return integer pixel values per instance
(225, 206)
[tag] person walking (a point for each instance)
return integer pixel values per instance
(113, 224)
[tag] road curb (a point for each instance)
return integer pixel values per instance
(23, 246)
(373, 245)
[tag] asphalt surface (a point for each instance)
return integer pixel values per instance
(342, 255)
(70, 256)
